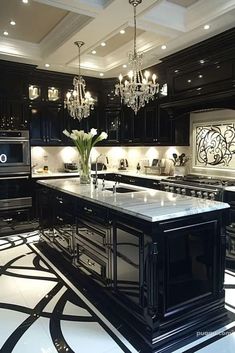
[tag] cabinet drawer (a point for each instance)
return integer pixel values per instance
(94, 212)
(64, 240)
(92, 236)
(93, 264)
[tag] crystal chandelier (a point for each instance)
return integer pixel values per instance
(138, 90)
(79, 102)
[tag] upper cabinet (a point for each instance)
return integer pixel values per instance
(46, 124)
(206, 77)
(13, 95)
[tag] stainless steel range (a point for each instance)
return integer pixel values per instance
(196, 186)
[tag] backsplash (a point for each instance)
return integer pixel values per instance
(213, 142)
(55, 157)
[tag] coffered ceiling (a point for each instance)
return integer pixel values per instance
(45, 30)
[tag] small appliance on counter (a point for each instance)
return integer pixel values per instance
(123, 164)
(70, 167)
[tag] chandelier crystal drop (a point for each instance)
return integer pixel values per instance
(139, 88)
(79, 102)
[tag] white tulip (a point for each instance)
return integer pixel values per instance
(66, 133)
(73, 136)
(93, 132)
(103, 135)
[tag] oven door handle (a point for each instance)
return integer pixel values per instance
(16, 177)
(4, 140)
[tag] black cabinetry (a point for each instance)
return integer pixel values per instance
(46, 124)
(13, 95)
(112, 123)
(57, 220)
(93, 242)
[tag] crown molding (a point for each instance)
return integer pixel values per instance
(67, 28)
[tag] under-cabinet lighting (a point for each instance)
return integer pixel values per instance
(101, 74)
(13, 23)
(47, 65)
(93, 52)
(122, 31)
(206, 27)
(163, 47)
(103, 44)
(5, 33)
(25, 1)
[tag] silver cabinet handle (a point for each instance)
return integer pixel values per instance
(89, 263)
(13, 178)
(88, 209)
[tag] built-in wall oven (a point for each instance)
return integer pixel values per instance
(15, 191)
(14, 152)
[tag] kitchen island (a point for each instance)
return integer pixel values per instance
(158, 256)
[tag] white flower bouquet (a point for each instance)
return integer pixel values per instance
(84, 143)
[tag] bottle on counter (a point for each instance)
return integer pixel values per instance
(138, 168)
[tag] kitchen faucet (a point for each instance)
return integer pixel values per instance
(95, 182)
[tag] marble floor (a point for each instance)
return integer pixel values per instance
(41, 311)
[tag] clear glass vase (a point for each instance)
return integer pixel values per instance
(85, 172)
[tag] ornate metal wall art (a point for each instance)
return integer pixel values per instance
(215, 145)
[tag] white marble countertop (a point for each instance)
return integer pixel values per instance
(133, 173)
(150, 205)
(230, 188)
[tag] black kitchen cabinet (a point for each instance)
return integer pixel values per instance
(157, 127)
(13, 114)
(46, 124)
(129, 250)
(112, 123)
(180, 127)
(57, 220)
(132, 126)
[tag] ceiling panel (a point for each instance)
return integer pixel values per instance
(184, 3)
(33, 21)
(117, 41)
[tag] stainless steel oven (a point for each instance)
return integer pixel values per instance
(15, 204)
(14, 152)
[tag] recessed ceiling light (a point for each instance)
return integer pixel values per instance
(47, 65)
(163, 47)
(12, 23)
(122, 31)
(124, 66)
(103, 44)
(93, 52)
(176, 71)
(200, 76)
(5, 33)
(206, 27)
(202, 61)
(25, 1)
(189, 81)
(101, 74)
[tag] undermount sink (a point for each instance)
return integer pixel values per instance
(123, 190)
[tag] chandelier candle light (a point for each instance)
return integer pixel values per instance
(79, 102)
(138, 90)
(84, 143)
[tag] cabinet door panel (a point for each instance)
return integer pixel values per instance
(128, 280)
(54, 123)
(37, 125)
(112, 119)
(190, 263)
(150, 124)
